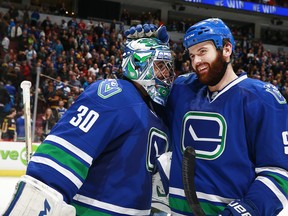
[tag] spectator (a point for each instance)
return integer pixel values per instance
(16, 35)
(61, 109)
(58, 47)
(93, 71)
(64, 25)
(5, 44)
(125, 17)
(10, 57)
(35, 16)
(25, 71)
(46, 24)
(8, 126)
(48, 121)
(5, 102)
(26, 17)
(81, 25)
(11, 89)
(30, 53)
(90, 25)
(88, 82)
(72, 23)
(74, 81)
(20, 127)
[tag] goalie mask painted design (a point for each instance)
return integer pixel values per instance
(150, 63)
(210, 29)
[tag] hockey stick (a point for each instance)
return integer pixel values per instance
(188, 168)
(26, 85)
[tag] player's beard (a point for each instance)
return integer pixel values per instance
(215, 70)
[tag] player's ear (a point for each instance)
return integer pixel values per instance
(227, 49)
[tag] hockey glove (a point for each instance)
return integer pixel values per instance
(163, 167)
(160, 183)
(239, 208)
(147, 30)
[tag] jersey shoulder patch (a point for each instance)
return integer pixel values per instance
(275, 92)
(107, 88)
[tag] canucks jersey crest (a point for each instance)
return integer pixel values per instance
(208, 144)
(108, 88)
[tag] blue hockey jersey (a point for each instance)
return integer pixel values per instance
(241, 142)
(101, 153)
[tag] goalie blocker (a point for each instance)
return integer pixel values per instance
(32, 198)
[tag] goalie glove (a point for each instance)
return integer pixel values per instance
(160, 199)
(239, 208)
(160, 183)
(148, 30)
(33, 198)
(163, 167)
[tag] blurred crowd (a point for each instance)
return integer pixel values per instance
(68, 56)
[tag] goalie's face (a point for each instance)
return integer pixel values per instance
(163, 70)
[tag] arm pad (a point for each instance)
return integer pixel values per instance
(33, 198)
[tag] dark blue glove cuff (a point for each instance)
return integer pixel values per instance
(238, 208)
(164, 178)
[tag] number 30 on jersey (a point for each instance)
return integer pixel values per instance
(85, 118)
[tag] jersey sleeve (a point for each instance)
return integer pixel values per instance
(266, 114)
(98, 116)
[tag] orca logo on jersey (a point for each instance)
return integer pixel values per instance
(108, 88)
(206, 132)
(157, 145)
(275, 92)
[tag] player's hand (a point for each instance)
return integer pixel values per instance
(147, 30)
(238, 208)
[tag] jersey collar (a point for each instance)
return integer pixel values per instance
(214, 95)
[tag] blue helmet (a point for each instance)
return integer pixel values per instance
(210, 29)
(149, 62)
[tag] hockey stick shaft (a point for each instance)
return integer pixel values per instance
(26, 85)
(188, 171)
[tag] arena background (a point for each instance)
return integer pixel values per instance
(169, 12)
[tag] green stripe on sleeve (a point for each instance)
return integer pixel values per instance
(63, 157)
(81, 210)
(183, 206)
(281, 182)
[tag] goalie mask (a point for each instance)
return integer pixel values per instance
(150, 63)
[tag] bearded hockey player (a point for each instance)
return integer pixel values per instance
(238, 127)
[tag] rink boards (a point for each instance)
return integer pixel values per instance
(13, 158)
